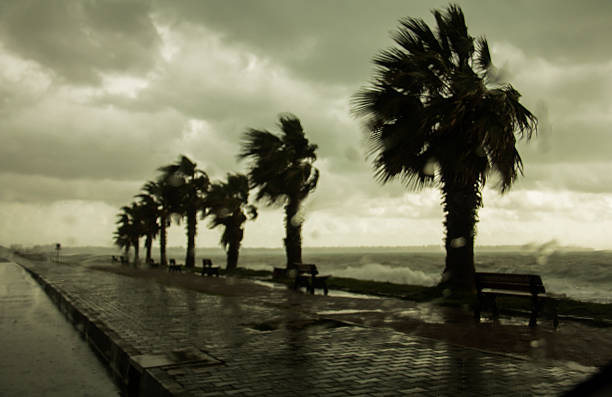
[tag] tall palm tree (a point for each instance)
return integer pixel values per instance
(166, 198)
(130, 229)
(227, 203)
(282, 169)
(122, 234)
(435, 100)
(191, 184)
(149, 210)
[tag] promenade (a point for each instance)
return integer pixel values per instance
(245, 339)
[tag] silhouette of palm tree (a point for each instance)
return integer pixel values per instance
(190, 184)
(130, 229)
(166, 198)
(149, 210)
(227, 203)
(435, 102)
(122, 234)
(282, 170)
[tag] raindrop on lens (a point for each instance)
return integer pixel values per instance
(429, 168)
(174, 180)
(458, 242)
(296, 221)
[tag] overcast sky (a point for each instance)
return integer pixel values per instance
(96, 95)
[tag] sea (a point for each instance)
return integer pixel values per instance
(580, 274)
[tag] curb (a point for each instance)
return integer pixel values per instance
(132, 379)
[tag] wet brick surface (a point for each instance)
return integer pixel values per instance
(274, 345)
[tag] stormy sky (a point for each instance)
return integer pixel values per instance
(96, 95)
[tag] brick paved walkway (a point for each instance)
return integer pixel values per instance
(272, 345)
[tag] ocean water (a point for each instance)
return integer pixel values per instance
(582, 275)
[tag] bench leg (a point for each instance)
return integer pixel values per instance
(535, 305)
(325, 288)
(478, 308)
(494, 310)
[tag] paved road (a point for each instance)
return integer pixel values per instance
(42, 354)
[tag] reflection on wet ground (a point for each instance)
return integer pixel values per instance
(275, 341)
(41, 353)
(332, 292)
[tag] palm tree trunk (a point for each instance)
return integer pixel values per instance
(148, 244)
(232, 255)
(126, 251)
(460, 202)
(191, 233)
(293, 239)
(162, 241)
(136, 245)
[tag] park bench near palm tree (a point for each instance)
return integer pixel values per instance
(307, 275)
(174, 267)
(208, 269)
(492, 285)
(151, 262)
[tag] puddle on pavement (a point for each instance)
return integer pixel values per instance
(332, 293)
(298, 324)
(180, 356)
(426, 314)
(347, 311)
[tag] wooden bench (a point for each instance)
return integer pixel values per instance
(151, 263)
(173, 267)
(491, 285)
(208, 269)
(306, 275)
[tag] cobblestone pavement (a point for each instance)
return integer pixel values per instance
(273, 345)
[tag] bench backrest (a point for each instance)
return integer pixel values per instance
(531, 283)
(306, 268)
(206, 262)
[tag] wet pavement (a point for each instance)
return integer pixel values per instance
(42, 354)
(271, 341)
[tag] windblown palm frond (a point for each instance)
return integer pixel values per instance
(438, 116)
(281, 168)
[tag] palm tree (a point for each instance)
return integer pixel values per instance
(122, 234)
(130, 229)
(149, 210)
(435, 100)
(282, 169)
(228, 205)
(166, 198)
(191, 184)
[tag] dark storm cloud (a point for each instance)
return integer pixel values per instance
(335, 41)
(322, 41)
(95, 95)
(78, 40)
